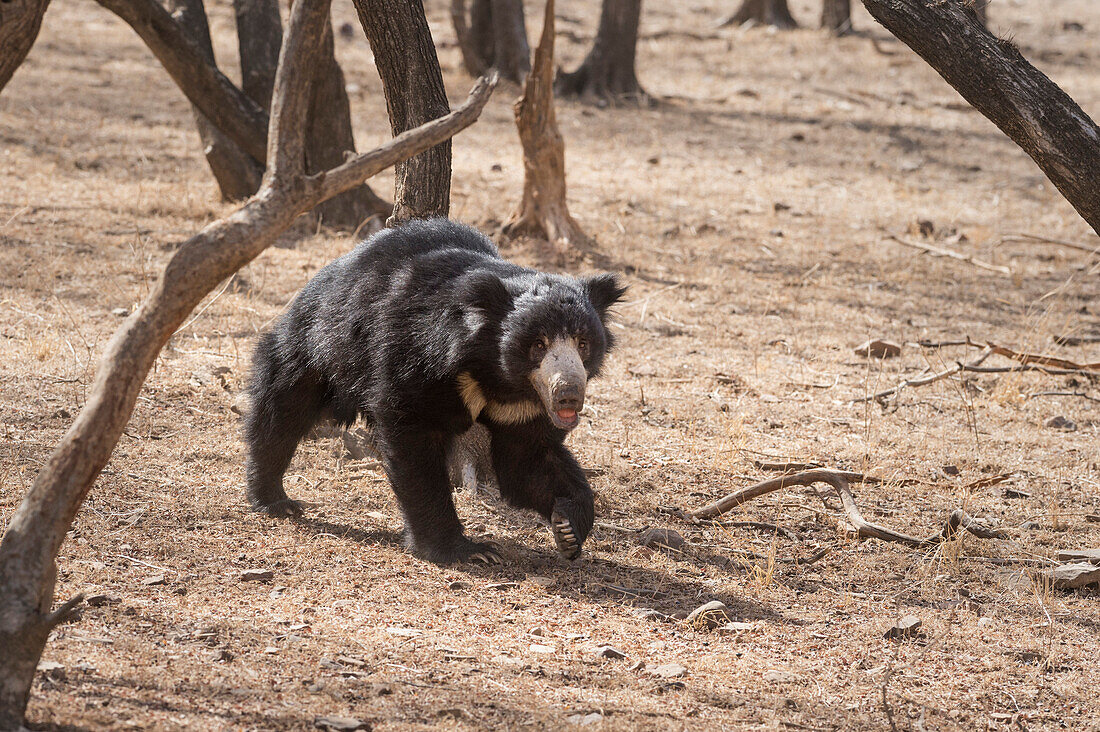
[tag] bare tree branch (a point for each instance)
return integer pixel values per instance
(38, 527)
(226, 106)
(996, 80)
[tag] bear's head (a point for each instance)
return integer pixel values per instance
(552, 335)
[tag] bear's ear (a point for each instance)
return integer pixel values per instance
(484, 293)
(603, 290)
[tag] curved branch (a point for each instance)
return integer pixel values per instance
(226, 106)
(996, 80)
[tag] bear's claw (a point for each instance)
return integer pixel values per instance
(286, 508)
(564, 536)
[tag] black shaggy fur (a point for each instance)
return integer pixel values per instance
(384, 332)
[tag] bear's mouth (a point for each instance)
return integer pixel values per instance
(565, 419)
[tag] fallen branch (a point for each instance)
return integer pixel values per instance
(1078, 394)
(735, 499)
(1035, 238)
(941, 252)
(1034, 358)
(929, 379)
(956, 521)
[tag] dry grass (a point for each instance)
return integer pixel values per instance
(736, 343)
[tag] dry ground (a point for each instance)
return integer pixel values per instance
(749, 211)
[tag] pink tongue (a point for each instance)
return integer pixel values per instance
(567, 415)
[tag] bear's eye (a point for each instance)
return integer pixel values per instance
(538, 348)
(582, 346)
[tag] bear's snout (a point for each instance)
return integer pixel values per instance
(560, 381)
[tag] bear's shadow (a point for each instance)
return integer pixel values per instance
(592, 578)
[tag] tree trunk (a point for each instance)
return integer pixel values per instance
(237, 174)
(329, 140)
(607, 74)
(992, 76)
(836, 16)
(235, 114)
(543, 210)
(259, 36)
(494, 37)
(38, 527)
(20, 21)
(763, 12)
(413, 84)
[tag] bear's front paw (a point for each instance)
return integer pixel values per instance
(565, 536)
(461, 550)
(286, 508)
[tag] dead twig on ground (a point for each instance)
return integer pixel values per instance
(925, 380)
(1035, 238)
(1035, 358)
(839, 480)
(1078, 394)
(941, 252)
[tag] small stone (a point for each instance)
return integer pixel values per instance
(735, 628)
(120, 312)
(459, 585)
(907, 627)
(158, 579)
(1030, 526)
(776, 676)
(101, 600)
(220, 654)
(648, 614)
(543, 582)
(271, 650)
(1073, 576)
(584, 719)
(878, 349)
(52, 669)
(709, 616)
(542, 649)
(278, 592)
(503, 585)
(950, 470)
(1061, 423)
(1091, 556)
(537, 631)
(661, 539)
(404, 632)
(669, 671)
(340, 724)
(609, 652)
(257, 575)
(1011, 493)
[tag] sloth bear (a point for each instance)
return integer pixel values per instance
(422, 331)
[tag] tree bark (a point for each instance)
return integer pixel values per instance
(329, 140)
(259, 37)
(226, 106)
(38, 527)
(413, 84)
(495, 36)
(992, 76)
(237, 174)
(607, 74)
(20, 21)
(543, 210)
(763, 12)
(836, 16)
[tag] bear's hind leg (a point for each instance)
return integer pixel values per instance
(279, 417)
(415, 462)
